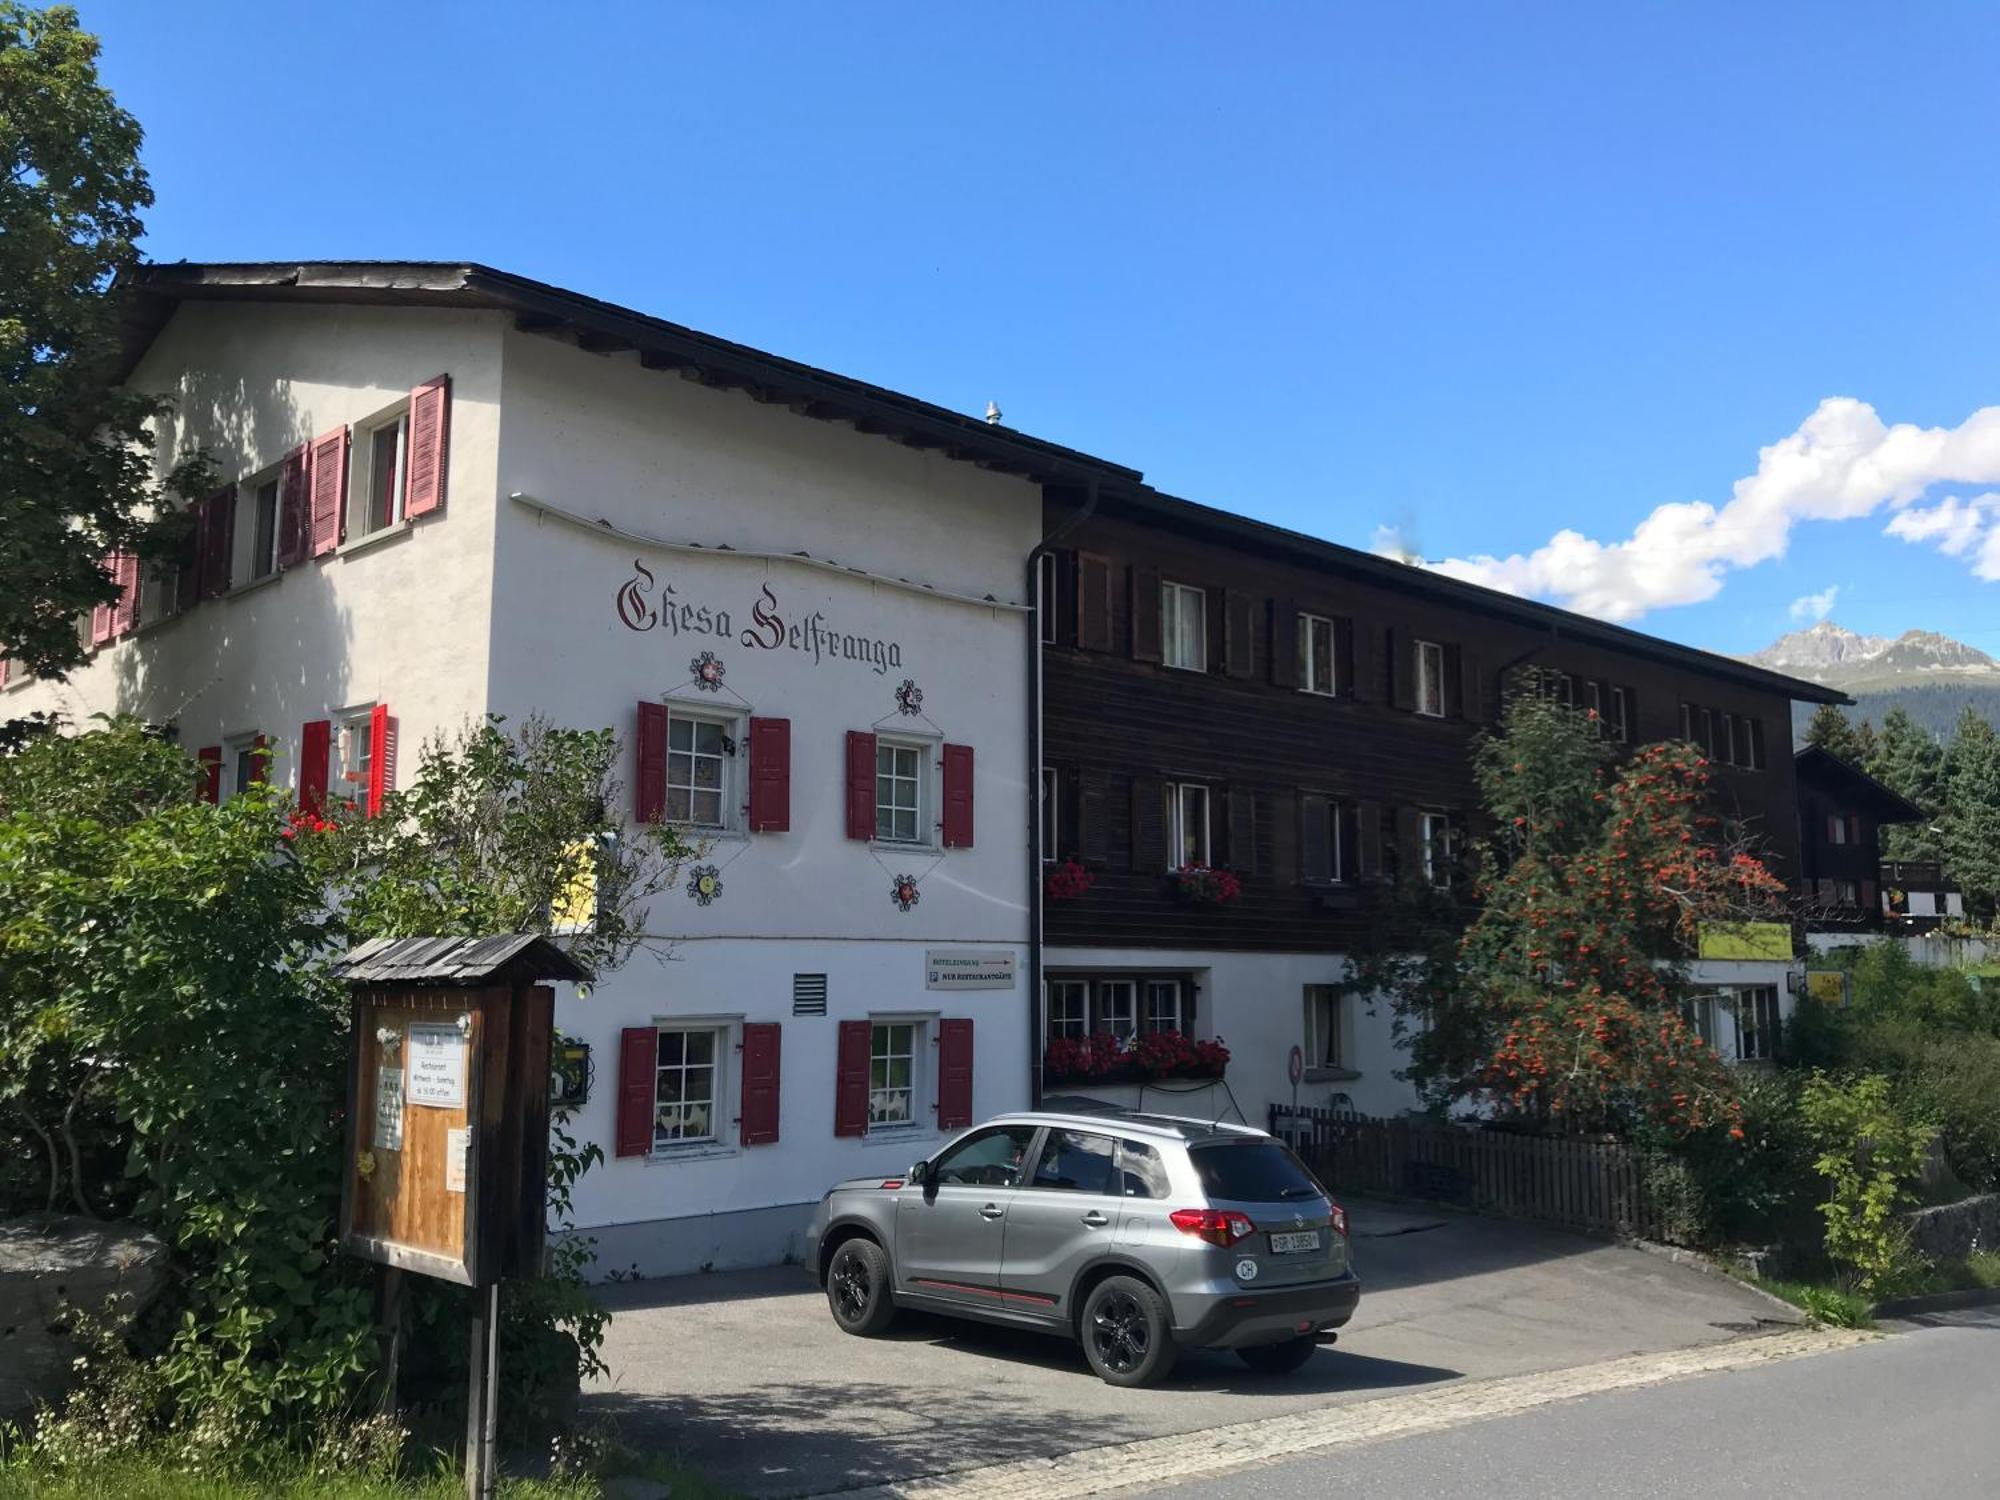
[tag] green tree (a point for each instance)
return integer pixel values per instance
(1559, 1004)
(1909, 761)
(1835, 733)
(77, 473)
(1970, 830)
(1869, 1154)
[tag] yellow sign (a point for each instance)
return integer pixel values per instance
(1828, 986)
(575, 906)
(1746, 940)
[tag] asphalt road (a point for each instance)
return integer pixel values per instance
(1913, 1416)
(745, 1378)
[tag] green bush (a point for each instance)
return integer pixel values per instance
(1760, 1188)
(1870, 1155)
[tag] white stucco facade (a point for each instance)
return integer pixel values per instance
(497, 605)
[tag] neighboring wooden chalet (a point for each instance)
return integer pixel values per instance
(1218, 691)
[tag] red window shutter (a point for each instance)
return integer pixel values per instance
(638, 1068)
(649, 789)
(125, 613)
(958, 796)
(860, 784)
(208, 784)
(760, 1082)
(954, 1088)
(382, 758)
(1870, 901)
(770, 775)
(315, 751)
(850, 1083)
(102, 616)
(328, 490)
(215, 526)
(430, 432)
(294, 507)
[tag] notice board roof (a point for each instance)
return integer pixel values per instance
(513, 956)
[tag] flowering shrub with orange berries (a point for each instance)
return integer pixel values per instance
(1559, 1003)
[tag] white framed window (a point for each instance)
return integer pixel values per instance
(1323, 1048)
(1430, 679)
(701, 749)
(159, 591)
(1163, 1006)
(353, 751)
(1756, 1008)
(1045, 603)
(1440, 846)
(1184, 627)
(1320, 854)
(1117, 1006)
(894, 1079)
(255, 547)
(1618, 715)
(1836, 828)
(1317, 671)
(688, 1106)
(1847, 893)
(901, 792)
(1698, 1011)
(378, 474)
(1187, 824)
(1051, 814)
(1069, 1008)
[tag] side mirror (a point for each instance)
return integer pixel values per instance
(918, 1174)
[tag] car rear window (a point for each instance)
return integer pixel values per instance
(1253, 1172)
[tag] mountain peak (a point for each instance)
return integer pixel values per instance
(1838, 657)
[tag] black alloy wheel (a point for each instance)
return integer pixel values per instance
(857, 1288)
(1126, 1335)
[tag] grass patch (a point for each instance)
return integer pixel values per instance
(1834, 1306)
(148, 1479)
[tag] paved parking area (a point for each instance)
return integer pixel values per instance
(745, 1378)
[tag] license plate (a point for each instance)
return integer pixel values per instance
(1295, 1244)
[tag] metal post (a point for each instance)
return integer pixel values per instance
(483, 1396)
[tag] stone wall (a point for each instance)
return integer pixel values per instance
(1953, 1230)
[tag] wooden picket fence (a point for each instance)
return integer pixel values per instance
(1595, 1186)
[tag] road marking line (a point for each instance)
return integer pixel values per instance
(1218, 1450)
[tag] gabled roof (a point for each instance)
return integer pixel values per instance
(605, 328)
(1192, 518)
(515, 956)
(1816, 764)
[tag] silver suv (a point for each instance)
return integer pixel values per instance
(1138, 1234)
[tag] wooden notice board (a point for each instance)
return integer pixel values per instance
(447, 1130)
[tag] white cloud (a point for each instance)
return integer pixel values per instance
(1957, 528)
(1810, 609)
(1842, 464)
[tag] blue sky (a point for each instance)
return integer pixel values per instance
(1475, 273)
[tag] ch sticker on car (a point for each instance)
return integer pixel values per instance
(1246, 1270)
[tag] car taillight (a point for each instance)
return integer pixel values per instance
(896, 1182)
(1339, 1218)
(1213, 1225)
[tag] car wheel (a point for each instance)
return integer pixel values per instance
(1278, 1359)
(857, 1288)
(1126, 1334)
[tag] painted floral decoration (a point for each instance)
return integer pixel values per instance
(904, 892)
(704, 884)
(1068, 880)
(1207, 886)
(708, 672)
(909, 698)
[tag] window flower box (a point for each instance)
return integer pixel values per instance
(1204, 885)
(1068, 881)
(1105, 1058)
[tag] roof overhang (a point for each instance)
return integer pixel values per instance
(604, 328)
(1198, 520)
(1891, 806)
